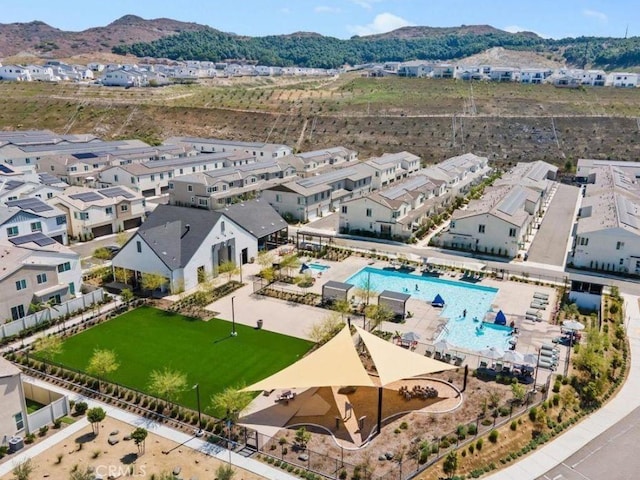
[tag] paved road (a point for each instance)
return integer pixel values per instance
(617, 445)
(550, 243)
(85, 249)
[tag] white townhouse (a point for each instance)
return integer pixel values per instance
(215, 145)
(458, 173)
(215, 189)
(94, 213)
(391, 167)
(36, 270)
(623, 79)
(592, 78)
(318, 161)
(310, 198)
(185, 245)
(21, 218)
(152, 177)
(42, 73)
(539, 176)
(123, 78)
(15, 73)
(13, 416)
(535, 76)
(498, 223)
(504, 74)
(392, 212)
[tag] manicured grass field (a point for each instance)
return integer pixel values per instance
(148, 339)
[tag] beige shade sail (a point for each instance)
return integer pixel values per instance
(334, 364)
(395, 363)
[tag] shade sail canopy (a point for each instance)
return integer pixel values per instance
(395, 363)
(501, 318)
(438, 300)
(334, 364)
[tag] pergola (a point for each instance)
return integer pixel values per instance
(395, 301)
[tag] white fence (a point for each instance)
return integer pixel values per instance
(52, 313)
(47, 414)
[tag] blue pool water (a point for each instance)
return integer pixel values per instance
(458, 296)
(318, 267)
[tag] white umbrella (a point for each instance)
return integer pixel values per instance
(530, 359)
(411, 337)
(442, 346)
(511, 356)
(573, 325)
(492, 353)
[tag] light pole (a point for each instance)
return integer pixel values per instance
(196, 387)
(233, 319)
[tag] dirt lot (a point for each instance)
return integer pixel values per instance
(115, 459)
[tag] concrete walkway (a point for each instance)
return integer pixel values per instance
(562, 447)
(183, 439)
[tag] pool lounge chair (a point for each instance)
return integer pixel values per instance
(538, 305)
(483, 364)
(533, 312)
(548, 354)
(547, 364)
(549, 346)
(533, 318)
(542, 301)
(541, 296)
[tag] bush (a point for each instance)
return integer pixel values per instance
(80, 408)
(404, 426)
(533, 414)
(472, 429)
(493, 436)
(479, 444)
(514, 426)
(43, 430)
(57, 423)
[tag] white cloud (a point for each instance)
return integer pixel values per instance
(595, 14)
(383, 22)
(365, 3)
(325, 9)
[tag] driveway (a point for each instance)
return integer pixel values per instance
(550, 243)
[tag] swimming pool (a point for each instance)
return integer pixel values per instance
(459, 297)
(318, 267)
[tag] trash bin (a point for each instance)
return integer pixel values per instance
(259, 324)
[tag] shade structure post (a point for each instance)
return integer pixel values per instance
(466, 373)
(379, 410)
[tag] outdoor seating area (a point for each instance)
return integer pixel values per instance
(521, 372)
(456, 358)
(422, 393)
(540, 301)
(548, 356)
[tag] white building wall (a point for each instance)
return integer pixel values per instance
(495, 239)
(145, 261)
(13, 404)
(602, 252)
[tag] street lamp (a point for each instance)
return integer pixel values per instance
(233, 319)
(196, 387)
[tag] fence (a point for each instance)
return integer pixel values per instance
(47, 414)
(67, 308)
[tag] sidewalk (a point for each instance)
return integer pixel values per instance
(562, 447)
(183, 439)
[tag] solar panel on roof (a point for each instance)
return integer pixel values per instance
(115, 192)
(5, 169)
(400, 190)
(84, 155)
(38, 238)
(86, 196)
(48, 179)
(33, 204)
(11, 184)
(327, 177)
(512, 202)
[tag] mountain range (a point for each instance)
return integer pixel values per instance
(167, 38)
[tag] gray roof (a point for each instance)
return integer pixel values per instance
(256, 217)
(343, 287)
(397, 296)
(164, 232)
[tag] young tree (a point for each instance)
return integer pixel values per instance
(326, 329)
(122, 275)
(450, 464)
(518, 391)
(304, 281)
(230, 402)
(153, 281)
(378, 314)
(23, 470)
(126, 295)
(95, 416)
(342, 306)
(101, 253)
(225, 472)
(265, 259)
(228, 268)
(102, 363)
(290, 262)
(122, 238)
(365, 290)
(139, 436)
(302, 438)
(167, 383)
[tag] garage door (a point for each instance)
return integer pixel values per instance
(132, 223)
(103, 230)
(149, 193)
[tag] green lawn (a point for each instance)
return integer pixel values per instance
(147, 339)
(32, 406)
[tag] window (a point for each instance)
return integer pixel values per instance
(81, 215)
(50, 195)
(153, 177)
(12, 231)
(369, 212)
(133, 180)
(619, 245)
(53, 169)
(170, 175)
(344, 209)
(124, 208)
(181, 172)
(19, 421)
(481, 228)
(453, 224)
(86, 168)
(170, 185)
(64, 267)
(17, 312)
(162, 176)
(72, 289)
(21, 284)
(115, 178)
(36, 226)
(278, 198)
(61, 220)
(189, 188)
(301, 200)
(584, 241)
(512, 232)
(41, 278)
(202, 202)
(222, 226)
(139, 246)
(108, 210)
(193, 169)
(215, 188)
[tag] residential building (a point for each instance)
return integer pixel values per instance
(152, 178)
(14, 72)
(94, 213)
(36, 269)
(624, 79)
(504, 74)
(24, 217)
(499, 223)
(539, 176)
(391, 167)
(185, 245)
(217, 188)
(318, 161)
(262, 221)
(215, 145)
(13, 416)
(314, 197)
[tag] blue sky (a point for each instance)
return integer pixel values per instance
(344, 18)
